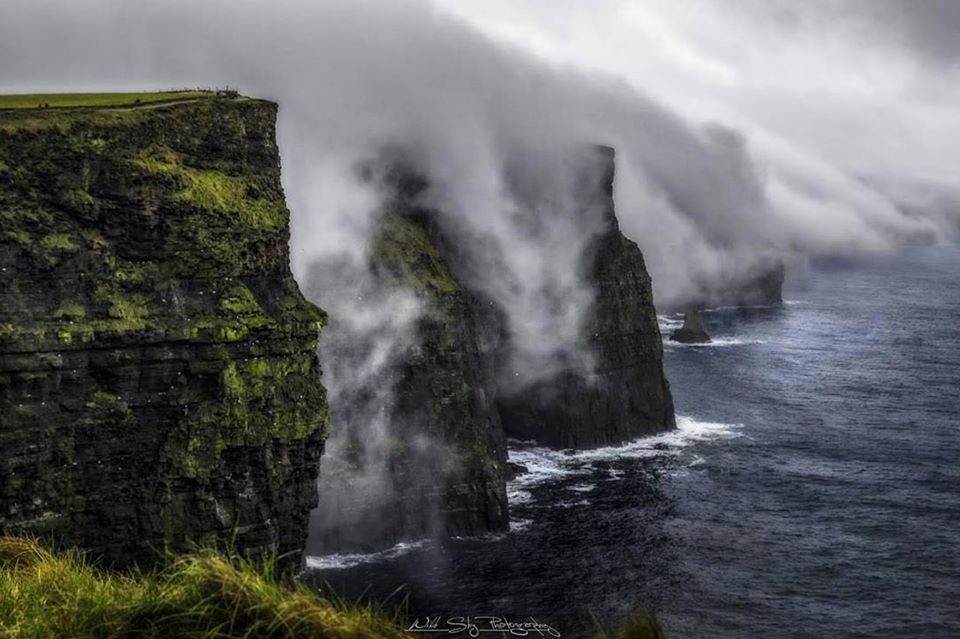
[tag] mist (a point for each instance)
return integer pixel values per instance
(703, 199)
(710, 182)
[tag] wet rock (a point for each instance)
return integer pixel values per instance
(692, 331)
(452, 393)
(515, 470)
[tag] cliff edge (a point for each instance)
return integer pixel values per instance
(159, 383)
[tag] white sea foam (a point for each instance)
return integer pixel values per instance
(715, 342)
(582, 488)
(516, 525)
(487, 536)
(573, 504)
(669, 322)
(542, 464)
(738, 307)
(348, 560)
(688, 430)
(547, 465)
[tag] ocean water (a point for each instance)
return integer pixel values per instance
(812, 488)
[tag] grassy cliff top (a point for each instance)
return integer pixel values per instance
(97, 100)
(35, 111)
(173, 195)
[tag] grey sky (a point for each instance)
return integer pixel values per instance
(872, 84)
(743, 130)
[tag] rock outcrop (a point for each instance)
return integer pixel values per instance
(626, 395)
(692, 331)
(159, 383)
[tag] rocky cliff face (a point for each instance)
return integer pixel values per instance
(437, 464)
(159, 384)
(437, 467)
(626, 395)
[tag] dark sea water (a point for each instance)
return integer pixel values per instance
(812, 488)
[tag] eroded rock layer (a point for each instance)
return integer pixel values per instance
(159, 384)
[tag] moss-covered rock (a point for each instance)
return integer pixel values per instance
(158, 378)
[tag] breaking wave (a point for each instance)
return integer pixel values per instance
(341, 561)
(714, 342)
(547, 465)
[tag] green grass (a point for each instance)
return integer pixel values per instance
(94, 100)
(403, 246)
(45, 595)
(214, 190)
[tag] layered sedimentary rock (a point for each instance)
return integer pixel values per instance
(159, 383)
(435, 466)
(626, 394)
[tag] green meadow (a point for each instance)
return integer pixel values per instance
(95, 100)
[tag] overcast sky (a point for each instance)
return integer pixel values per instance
(745, 129)
(871, 84)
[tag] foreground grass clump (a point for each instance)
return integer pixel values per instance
(642, 624)
(92, 100)
(199, 596)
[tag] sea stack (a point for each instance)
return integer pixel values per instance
(626, 395)
(438, 467)
(692, 331)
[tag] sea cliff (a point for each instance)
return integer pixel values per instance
(439, 454)
(625, 394)
(435, 464)
(159, 383)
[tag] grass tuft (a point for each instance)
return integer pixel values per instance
(641, 624)
(204, 595)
